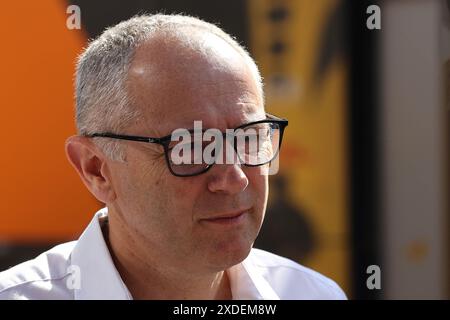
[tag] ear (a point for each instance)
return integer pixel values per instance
(91, 165)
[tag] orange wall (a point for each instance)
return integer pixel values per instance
(41, 196)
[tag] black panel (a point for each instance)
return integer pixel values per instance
(11, 255)
(230, 15)
(364, 158)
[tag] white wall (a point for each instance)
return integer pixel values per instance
(413, 146)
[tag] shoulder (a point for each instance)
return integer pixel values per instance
(291, 280)
(41, 278)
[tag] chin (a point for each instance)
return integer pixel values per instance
(229, 253)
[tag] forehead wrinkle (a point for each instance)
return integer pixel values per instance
(237, 90)
(172, 76)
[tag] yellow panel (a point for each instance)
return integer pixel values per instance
(314, 155)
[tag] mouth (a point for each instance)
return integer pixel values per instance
(228, 218)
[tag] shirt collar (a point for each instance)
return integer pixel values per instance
(101, 280)
(99, 277)
(248, 284)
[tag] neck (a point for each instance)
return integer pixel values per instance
(148, 277)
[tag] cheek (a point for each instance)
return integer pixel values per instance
(145, 175)
(185, 191)
(260, 187)
(138, 183)
(171, 196)
(259, 183)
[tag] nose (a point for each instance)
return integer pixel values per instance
(227, 178)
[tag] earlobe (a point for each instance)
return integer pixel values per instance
(87, 160)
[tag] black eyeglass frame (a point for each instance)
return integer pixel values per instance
(165, 141)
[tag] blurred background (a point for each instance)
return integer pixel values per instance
(364, 170)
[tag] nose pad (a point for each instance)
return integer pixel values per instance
(225, 152)
(231, 155)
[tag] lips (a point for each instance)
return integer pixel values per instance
(227, 217)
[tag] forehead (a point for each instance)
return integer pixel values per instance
(174, 83)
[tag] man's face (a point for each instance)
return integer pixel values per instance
(174, 86)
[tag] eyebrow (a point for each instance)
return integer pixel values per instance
(268, 118)
(192, 130)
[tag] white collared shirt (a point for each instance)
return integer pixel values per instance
(84, 269)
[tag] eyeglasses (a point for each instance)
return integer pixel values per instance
(254, 144)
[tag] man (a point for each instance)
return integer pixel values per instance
(171, 229)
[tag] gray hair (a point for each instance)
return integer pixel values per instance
(102, 102)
